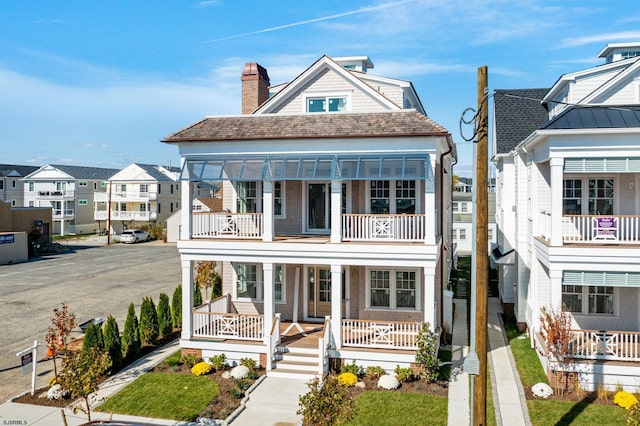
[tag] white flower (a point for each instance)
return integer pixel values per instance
(239, 372)
(388, 381)
(541, 390)
(56, 392)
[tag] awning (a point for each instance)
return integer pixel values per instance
(501, 258)
(317, 167)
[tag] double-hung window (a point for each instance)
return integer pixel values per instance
(250, 282)
(247, 197)
(278, 199)
(382, 200)
(393, 289)
(588, 299)
(588, 196)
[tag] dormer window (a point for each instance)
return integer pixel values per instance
(327, 104)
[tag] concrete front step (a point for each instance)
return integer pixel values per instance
(306, 375)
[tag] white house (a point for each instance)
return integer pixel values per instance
(139, 194)
(462, 221)
(569, 207)
(69, 191)
(337, 194)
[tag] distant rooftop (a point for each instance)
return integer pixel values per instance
(619, 51)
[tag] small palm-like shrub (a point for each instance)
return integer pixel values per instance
(351, 368)
(218, 361)
(190, 359)
(404, 374)
(347, 379)
(250, 363)
(201, 368)
(374, 371)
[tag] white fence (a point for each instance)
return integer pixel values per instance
(396, 227)
(228, 225)
(609, 345)
(228, 326)
(380, 334)
(615, 229)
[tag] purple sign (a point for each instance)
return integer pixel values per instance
(606, 227)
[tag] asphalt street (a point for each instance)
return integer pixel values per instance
(92, 278)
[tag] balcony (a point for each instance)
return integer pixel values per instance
(125, 196)
(355, 227)
(594, 229)
(606, 345)
(126, 215)
(63, 214)
(55, 195)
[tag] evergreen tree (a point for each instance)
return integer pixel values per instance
(93, 337)
(112, 342)
(148, 322)
(164, 316)
(131, 335)
(176, 307)
(197, 294)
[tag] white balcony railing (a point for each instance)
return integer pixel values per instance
(228, 326)
(607, 345)
(63, 214)
(615, 229)
(55, 194)
(380, 334)
(127, 215)
(375, 227)
(124, 196)
(227, 225)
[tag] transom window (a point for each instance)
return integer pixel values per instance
(393, 289)
(327, 104)
(588, 300)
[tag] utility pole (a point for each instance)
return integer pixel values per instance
(482, 250)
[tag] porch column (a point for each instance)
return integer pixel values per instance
(336, 304)
(187, 299)
(186, 200)
(267, 210)
(430, 212)
(336, 211)
(268, 299)
(556, 183)
(429, 309)
(555, 286)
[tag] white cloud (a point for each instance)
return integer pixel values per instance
(599, 38)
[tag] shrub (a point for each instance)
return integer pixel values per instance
(389, 382)
(93, 337)
(250, 363)
(253, 375)
(427, 353)
(218, 361)
(197, 294)
(404, 374)
(236, 393)
(625, 400)
(164, 316)
(190, 359)
(176, 307)
(112, 343)
(174, 359)
(351, 368)
(148, 322)
(326, 404)
(347, 379)
(243, 384)
(201, 368)
(131, 335)
(374, 371)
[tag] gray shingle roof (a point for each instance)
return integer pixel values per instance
(6, 169)
(305, 126)
(518, 113)
(596, 117)
(82, 172)
(154, 172)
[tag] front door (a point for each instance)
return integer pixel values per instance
(319, 292)
(318, 207)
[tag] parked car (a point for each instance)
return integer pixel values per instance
(134, 236)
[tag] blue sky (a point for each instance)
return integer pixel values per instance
(101, 83)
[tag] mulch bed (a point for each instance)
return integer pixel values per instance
(440, 388)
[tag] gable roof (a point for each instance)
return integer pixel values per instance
(310, 126)
(322, 64)
(517, 113)
(629, 72)
(79, 172)
(13, 170)
(596, 117)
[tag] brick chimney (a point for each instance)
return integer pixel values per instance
(255, 87)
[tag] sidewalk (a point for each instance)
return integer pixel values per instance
(273, 403)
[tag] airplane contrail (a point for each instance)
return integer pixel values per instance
(311, 21)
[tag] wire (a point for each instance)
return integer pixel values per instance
(613, 107)
(474, 119)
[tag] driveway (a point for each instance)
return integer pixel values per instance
(93, 279)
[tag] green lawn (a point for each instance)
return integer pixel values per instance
(400, 408)
(163, 395)
(542, 412)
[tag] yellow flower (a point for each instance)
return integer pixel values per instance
(201, 368)
(347, 379)
(625, 400)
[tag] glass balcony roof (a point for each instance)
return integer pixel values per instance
(318, 167)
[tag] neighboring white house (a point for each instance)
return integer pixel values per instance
(11, 184)
(337, 194)
(569, 207)
(139, 194)
(462, 222)
(69, 191)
